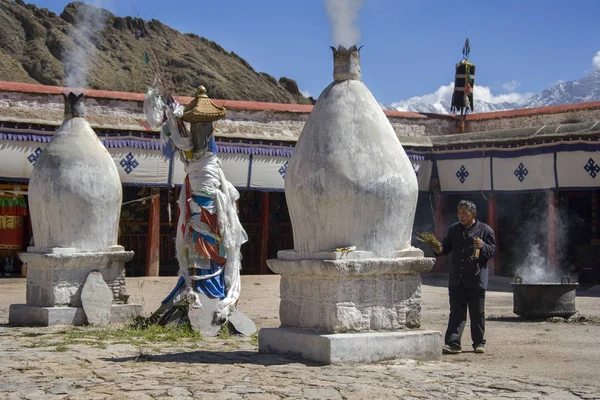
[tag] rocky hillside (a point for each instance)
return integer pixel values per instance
(35, 43)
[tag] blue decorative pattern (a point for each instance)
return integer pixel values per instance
(283, 169)
(33, 157)
(129, 163)
(462, 174)
(592, 168)
(521, 172)
(416, 168)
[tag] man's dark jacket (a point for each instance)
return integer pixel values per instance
(464, 270)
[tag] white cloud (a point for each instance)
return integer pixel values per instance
(305, 93)
(485, 93)
(596, 61)
(511, 86)
(444, 95)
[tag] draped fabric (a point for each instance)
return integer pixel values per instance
(561, 165)
(464, 83)
(11, 205)
(145, 160)
(203, 250)
(209, 234)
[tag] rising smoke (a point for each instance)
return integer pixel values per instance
(343, 15)
(531, 249)
(77, 60)
(535, 267)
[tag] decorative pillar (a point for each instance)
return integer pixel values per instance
(494, 263)
(264, 233)
(552, 216)
(153, 238)
(440, 228)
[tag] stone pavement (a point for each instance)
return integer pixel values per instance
(530, 360)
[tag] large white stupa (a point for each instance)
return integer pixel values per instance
(351, 287)
(75, 200)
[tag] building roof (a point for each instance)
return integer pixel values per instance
(230, 104)
(25, 103)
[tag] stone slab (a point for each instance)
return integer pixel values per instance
(352, 267)
(62, 258)
(242, 323)
(294, 255)
(203, 318)
(342, 348)
(52, 250)
(26, 315)
(96, 299)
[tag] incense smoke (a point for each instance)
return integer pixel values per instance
(90, 23)
(343, 15)
(533, 266)
(536, 269)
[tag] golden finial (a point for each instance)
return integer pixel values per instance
(201, 91)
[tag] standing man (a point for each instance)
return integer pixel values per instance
(472, 243)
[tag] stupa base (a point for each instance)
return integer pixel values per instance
(354, 295)
(339, 348)
(26, 315)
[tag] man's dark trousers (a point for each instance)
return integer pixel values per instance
(462, 299)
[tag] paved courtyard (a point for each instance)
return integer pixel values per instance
(538, 359)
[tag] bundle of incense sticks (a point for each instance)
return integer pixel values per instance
(430, 239)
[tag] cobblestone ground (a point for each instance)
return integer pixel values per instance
(47, 363)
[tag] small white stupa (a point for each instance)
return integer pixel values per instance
(75, 200)
(351, 287)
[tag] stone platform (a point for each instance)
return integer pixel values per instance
(350, 307)
(341, 348)
(351, 295)
(55, 280)
(26, 315)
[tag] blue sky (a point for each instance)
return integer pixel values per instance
(410, 47)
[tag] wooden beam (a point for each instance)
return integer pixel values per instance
(264, 233)
(153, 239)
(22, 186)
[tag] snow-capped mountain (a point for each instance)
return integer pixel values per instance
(441, 107)
(579, 91)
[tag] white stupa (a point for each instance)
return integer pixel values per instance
(351, 287)
(349, 182)
(75, 197)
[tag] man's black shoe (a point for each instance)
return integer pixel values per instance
(447, 349)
